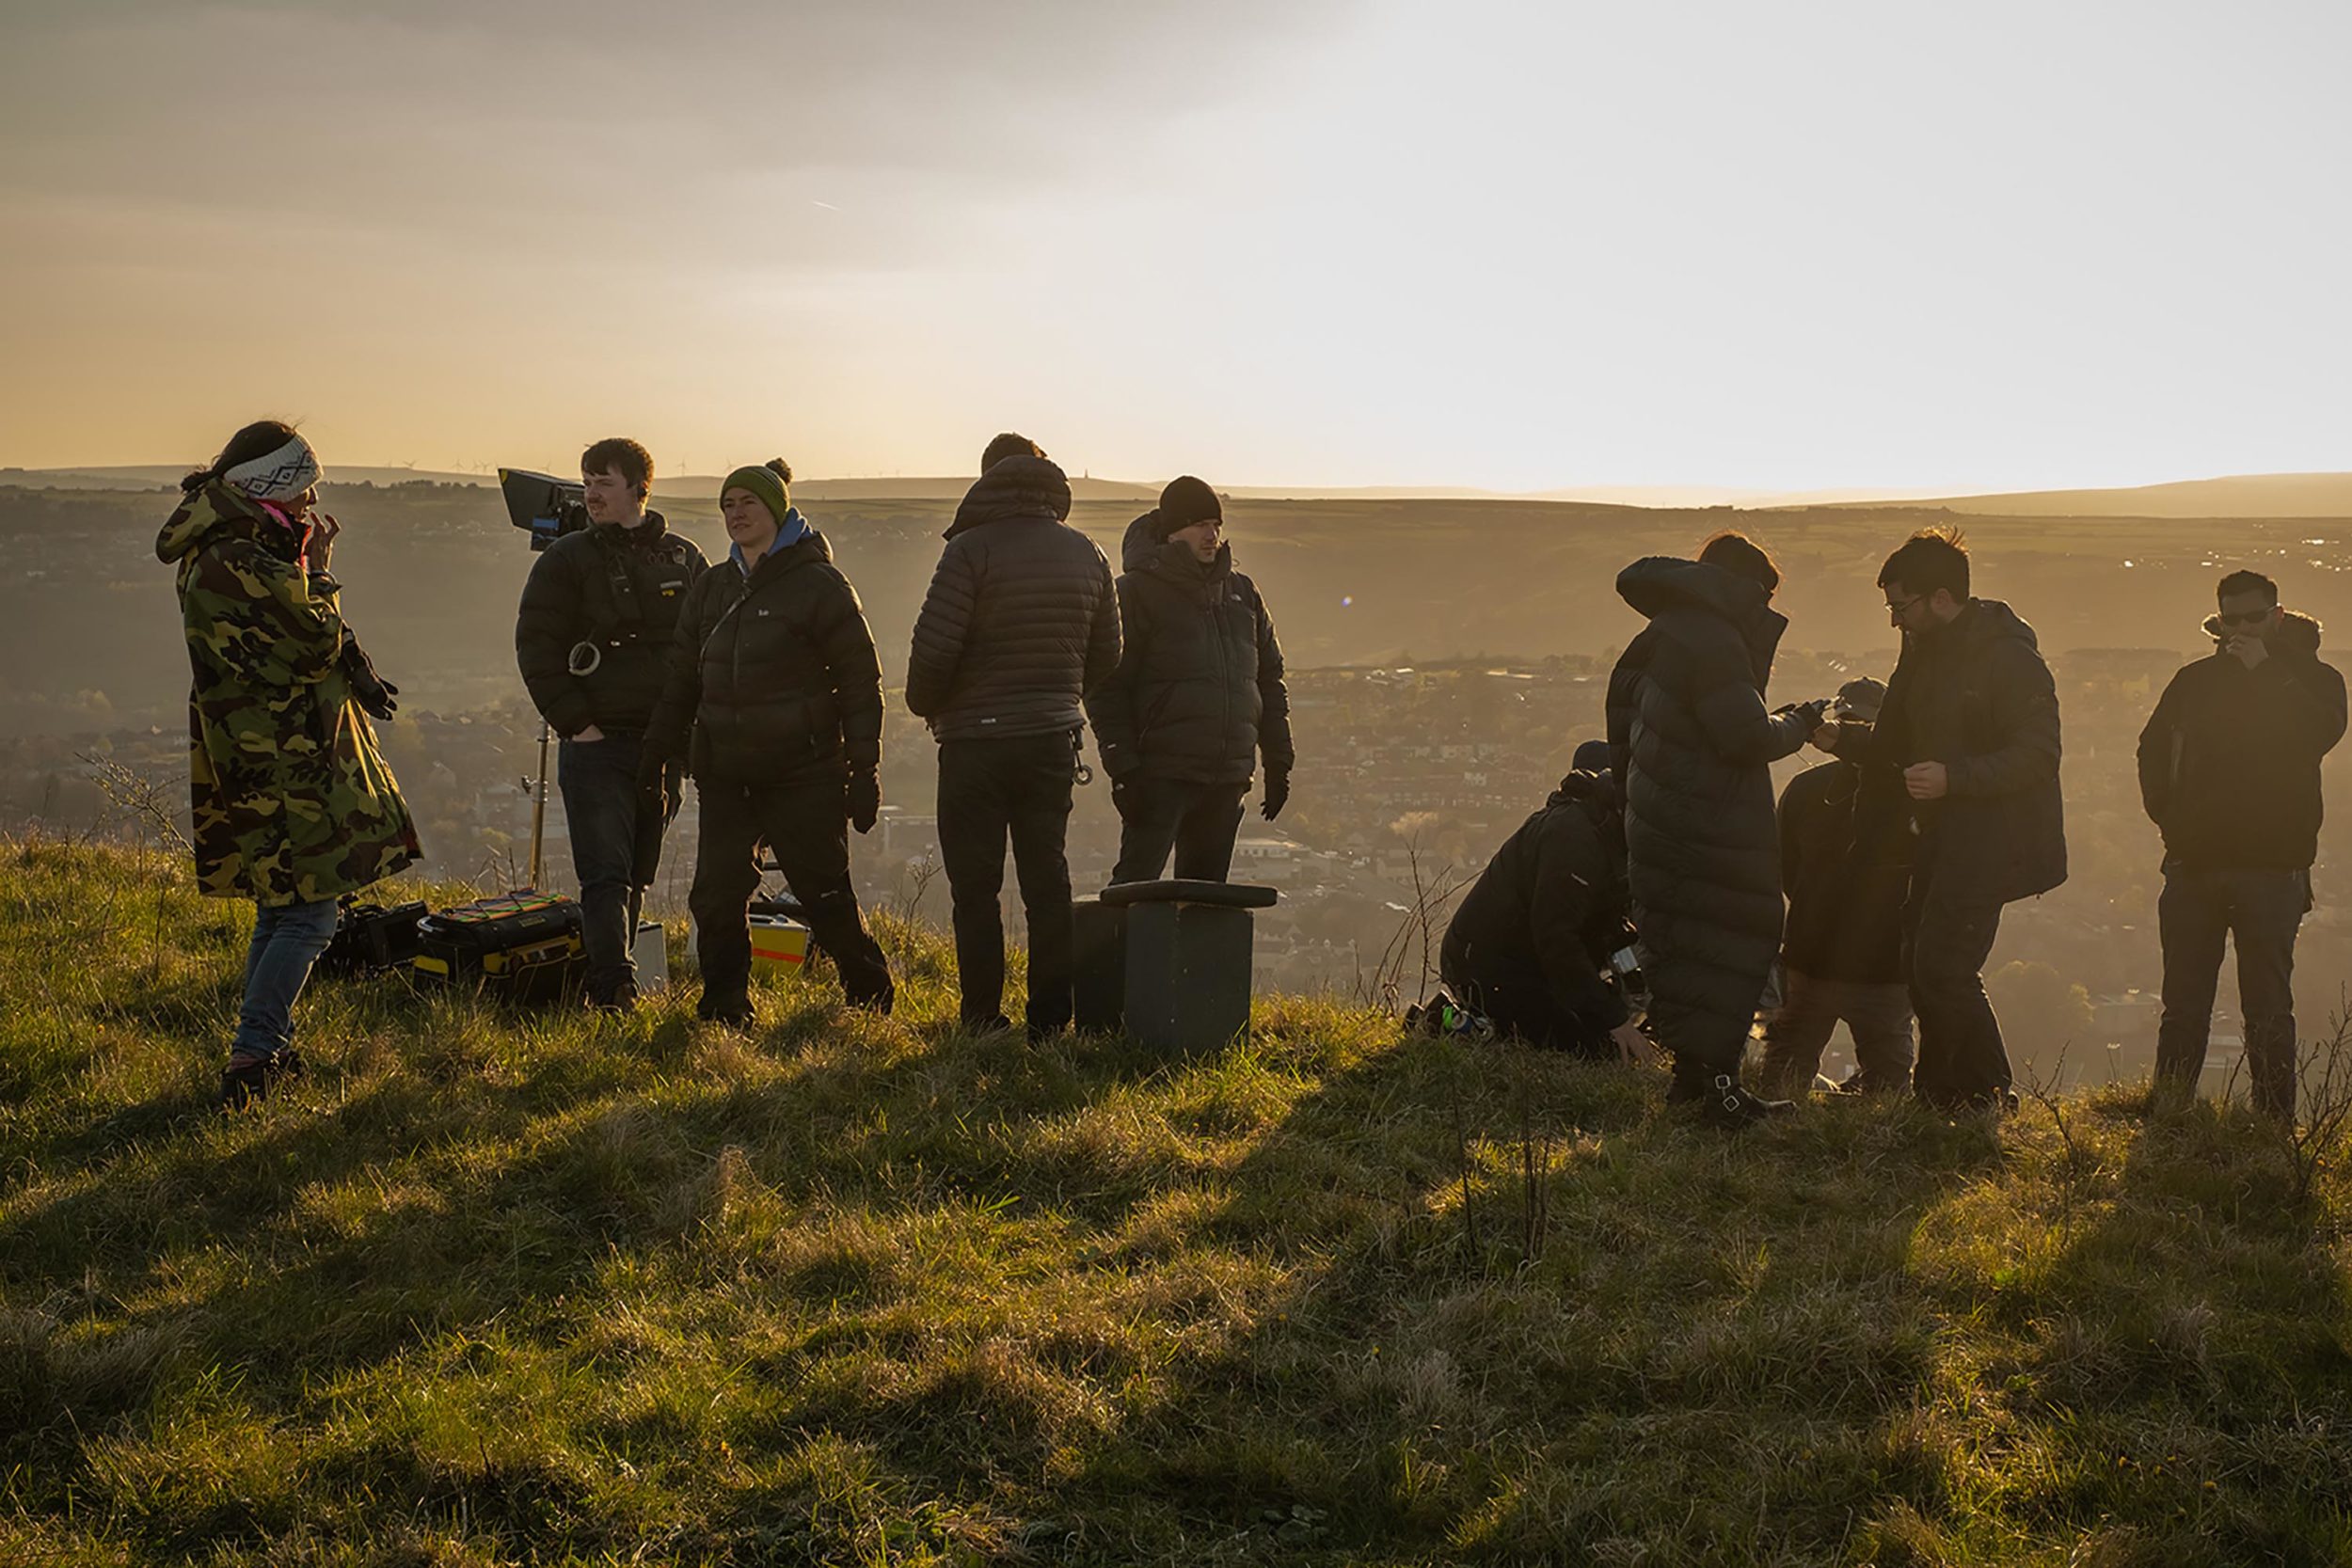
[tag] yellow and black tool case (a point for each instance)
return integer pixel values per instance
(522, 947)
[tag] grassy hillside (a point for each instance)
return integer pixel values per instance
(494, 1289)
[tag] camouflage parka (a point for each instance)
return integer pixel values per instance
(293, 800)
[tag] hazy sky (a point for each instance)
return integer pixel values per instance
(1520, 245)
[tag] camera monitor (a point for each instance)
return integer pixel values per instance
(547, 507)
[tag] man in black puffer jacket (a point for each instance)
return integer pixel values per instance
(1197, 695)
(593, 641)
(1693, 746)
(2228, 770)
(1964, 755)
(1529, 945)
(776, 682)
(1021, 621)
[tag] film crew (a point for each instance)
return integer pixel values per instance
(1529, 948)
(2228, 770)
(1020, 621)
(292, 803)
(775, 706)
(1198, 696)
(592, 638)
(1964, 756)
(1693, 746)
(1841, 951)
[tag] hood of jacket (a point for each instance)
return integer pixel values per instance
(808, 549)
(795, 531)
(1144, 550)
(1141, 546)
(1017, 487)
(1596, 792)
(2297, 633)
(216, 509)
(1660, 584)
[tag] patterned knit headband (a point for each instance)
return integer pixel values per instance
(279, 476)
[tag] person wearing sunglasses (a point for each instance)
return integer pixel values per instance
(1964, 755)
(2229, 770)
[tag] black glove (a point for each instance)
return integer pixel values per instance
(864, 799)
(652, 768)
(372, 691)
(673, 790)
(1277, 793)
(1122, 791)
(1809, 713)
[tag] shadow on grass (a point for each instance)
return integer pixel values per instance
(2170, 1332)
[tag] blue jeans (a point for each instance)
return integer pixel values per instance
(599, 779)
(287, 940)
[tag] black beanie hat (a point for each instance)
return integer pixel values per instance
(1185, 502)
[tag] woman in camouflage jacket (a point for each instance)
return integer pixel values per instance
(292, 803)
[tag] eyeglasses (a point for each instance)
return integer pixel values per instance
(1899, 611)
(2245, 618)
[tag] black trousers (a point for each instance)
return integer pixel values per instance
(1198, 822)
(1948, 935)
(598, 780)
(989, 790)
(2261, 911)
(807, 827)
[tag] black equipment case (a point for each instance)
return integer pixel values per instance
(522, 947)
(372, 937)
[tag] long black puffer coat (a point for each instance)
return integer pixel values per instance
(1694, 746)
(1199, 692)
(774, 675)
(1021, 619)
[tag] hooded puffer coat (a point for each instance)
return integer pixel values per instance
(774, 675)
(1691, 742)
(1199, 692)
(1021, 619)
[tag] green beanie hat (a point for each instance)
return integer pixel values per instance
(770, 481)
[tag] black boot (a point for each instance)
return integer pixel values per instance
(730, 1008)
(1723, 1101)
(243, 1082)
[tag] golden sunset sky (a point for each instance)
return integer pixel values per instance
(1517, 245)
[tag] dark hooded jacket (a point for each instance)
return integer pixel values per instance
(1199, 691)
(1551, 902)
(774, 675)
(1974, 696)
(1021, 619)
(620, 589)
(1845, 887)
(2228, 764)
(1694, 746)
